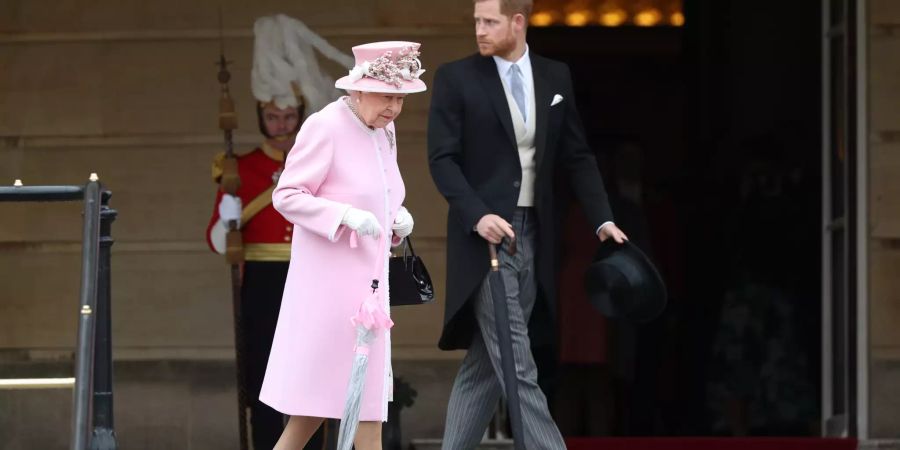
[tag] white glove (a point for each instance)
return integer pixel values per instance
(403, 224)
(230, 209)
(363, 222)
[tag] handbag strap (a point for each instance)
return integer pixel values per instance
(408, 245)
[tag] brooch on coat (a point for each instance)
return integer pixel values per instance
(390, 138)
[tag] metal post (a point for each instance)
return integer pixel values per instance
(84, 356)
(860, 65)
(827, 271)
(104, 437)
(95, 282)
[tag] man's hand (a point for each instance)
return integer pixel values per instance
(493, 228)
(230, 209)
(610, 230)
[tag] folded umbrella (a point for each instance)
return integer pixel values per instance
(504, 337)
(369, 321)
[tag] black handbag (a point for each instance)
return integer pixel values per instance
(410, 283)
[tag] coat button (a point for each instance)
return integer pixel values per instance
(287, 239)
(517, 183)
(288, 228)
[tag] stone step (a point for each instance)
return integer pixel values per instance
(435, 444)
(880, 444)
(178, 405)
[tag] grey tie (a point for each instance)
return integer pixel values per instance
(518, 91)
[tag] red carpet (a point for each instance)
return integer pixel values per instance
(710, 444)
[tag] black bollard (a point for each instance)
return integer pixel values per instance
(104, 436)
(82, 400)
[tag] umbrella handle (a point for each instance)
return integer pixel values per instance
(492, 251)
(495, 261)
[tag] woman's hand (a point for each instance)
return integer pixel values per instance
(363, 222)
(403, 224)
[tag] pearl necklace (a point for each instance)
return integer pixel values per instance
(388, 134)
(356, 113)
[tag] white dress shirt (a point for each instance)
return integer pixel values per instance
(524, 63)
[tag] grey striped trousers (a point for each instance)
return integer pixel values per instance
(479, 383)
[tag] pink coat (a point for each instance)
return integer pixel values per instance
(336, 163)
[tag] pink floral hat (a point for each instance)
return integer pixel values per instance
(391, 67)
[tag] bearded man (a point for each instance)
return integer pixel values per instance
(502, 124)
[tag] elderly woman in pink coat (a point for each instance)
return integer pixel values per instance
(342, 188)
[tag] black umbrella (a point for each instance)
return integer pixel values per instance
(504, 336)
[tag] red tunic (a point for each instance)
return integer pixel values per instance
(267, 235)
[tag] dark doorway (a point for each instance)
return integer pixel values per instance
(719, 122)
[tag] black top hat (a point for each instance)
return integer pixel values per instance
(621, 282)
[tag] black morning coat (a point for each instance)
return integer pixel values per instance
(474, 161)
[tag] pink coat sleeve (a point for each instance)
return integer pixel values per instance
(305, 170)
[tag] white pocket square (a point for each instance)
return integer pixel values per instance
(557, 99)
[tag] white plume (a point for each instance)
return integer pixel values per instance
(283, 53)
